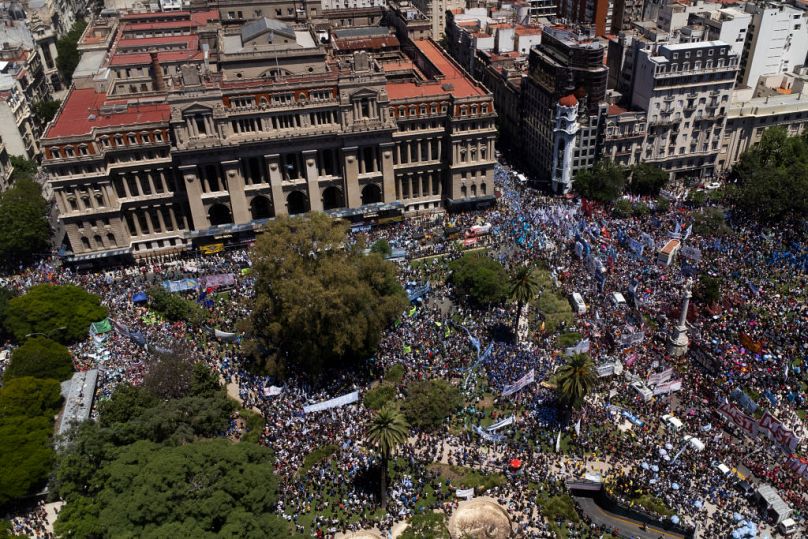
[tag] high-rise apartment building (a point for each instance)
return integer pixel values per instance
(566, 79)
(206, 138)
(777, 41)
(685, 91)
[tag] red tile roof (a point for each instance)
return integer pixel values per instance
(74, 117)
(461, 84)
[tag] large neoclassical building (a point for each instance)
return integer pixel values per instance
(180, 131)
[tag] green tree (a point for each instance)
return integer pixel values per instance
(204, 489)
(45, 110)
(426, 525)
(647, 180)
(68, 55)
(708, 289)
(27, 408)
(24, 168)
(525, 286)
(622, 208)
(175, 307)
(388, 429)
(381, 247)
(772, 178)
(430, 402)
(320, 302)
(24, 228)
(711, 221)
(5, 296)
(40, 357)
(480, 278)
(61, 312)
(603, 182)
(575, 379)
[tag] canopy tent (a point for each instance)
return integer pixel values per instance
(774, 502)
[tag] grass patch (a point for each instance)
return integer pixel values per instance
(653, 504)
(377, 397)
(555, 311)
(462, 477)
(316, 457)
(558, 507)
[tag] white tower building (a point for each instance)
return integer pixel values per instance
(565, 132)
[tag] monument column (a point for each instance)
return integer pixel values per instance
(388, 174)
(678, 341)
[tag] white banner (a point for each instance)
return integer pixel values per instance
(490, 436)
(224, 335)
(272, 391)
(660, 377)
(501, 423)
(581, 348)
(668, 387)
(336, 402)
(467, 493)
(526, 380)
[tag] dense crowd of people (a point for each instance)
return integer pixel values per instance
(588, 251)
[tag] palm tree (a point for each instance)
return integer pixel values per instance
(524, 287)
(575, 379)
(387, 431)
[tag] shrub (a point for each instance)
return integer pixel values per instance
(376, 398)
(621, 208)
(430, 402)
(174, 307)
(481, 278)
(394, 374)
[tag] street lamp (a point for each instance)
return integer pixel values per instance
(48, 334)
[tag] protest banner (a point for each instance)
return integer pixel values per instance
(691, 253)
(336, 402)
(501, 423)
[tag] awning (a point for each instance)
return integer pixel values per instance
(478, 203)
(98, 255)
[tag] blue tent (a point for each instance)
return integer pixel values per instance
(140, 297)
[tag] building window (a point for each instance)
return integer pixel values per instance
(158, 136)
(85, 242)
(69, 151)
(132, 138)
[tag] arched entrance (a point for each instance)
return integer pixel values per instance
(296, 203)
(371, 194)
(261, 208)
(332, 198)
(219, 214)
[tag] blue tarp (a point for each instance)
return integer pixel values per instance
(140, 297)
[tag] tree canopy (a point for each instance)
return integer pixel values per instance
(320, 302)
(40, 357)
(175, 307)
(647, 180)
(772, 178)
(61, 312)
(604, 182)
(479, 277)
(24, 227)
(67, 51)
(27, 408)
(575, 379)
(430, 402)
(211, 488)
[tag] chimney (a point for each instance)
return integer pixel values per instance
(157, 73)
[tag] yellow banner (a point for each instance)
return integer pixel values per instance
(211, 249)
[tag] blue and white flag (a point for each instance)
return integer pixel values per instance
(523, 382)
(489, 436)
(336, 402)
(501, 423)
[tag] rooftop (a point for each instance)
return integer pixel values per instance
(81, 112)
(454, 82)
